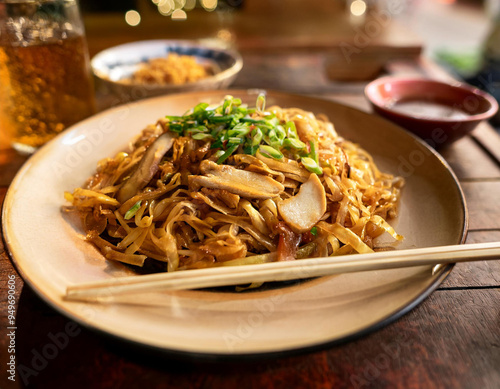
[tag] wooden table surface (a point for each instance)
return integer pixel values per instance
(451, 340)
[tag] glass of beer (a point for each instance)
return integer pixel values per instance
(45, 78)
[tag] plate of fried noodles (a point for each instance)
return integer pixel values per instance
(232, 178)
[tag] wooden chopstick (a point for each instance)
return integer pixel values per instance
(282, 271)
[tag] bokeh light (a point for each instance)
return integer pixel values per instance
(358, 7)
(179, 14)
(166, 7)
(190, 4)
(179, 4)
(176, 9)
(209, 5)
(225, 35)
(132, 17)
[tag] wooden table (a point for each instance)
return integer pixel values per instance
(451, 340)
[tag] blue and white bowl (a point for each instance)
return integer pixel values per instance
(113, 67)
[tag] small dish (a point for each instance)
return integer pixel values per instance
(114, 67)
(437, 112)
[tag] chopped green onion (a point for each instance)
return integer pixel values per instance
(314, 231)
(197, 129)
(280, 132)
(314, 150)
(294, 144)
(217, 144)
(201, 136)
(227, 154)
(200, 109)
(231, 125)
(239, 129)
(291, 130)
(221, 119)
(272, 139)
(256, 137)
(254, 121)
(133, 210)
(233, 140)
(176, 127)
(311, 165)
(174, 118)
(228, 105)
(218, 153)
(261, 102)
(271, 152)
(250, 150)
(273, 120)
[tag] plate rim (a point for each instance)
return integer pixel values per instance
(231, 356)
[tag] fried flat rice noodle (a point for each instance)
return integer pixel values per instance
(182, 220)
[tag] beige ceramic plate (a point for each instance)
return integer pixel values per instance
(50, 254)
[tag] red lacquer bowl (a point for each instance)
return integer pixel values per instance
(437, 112)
